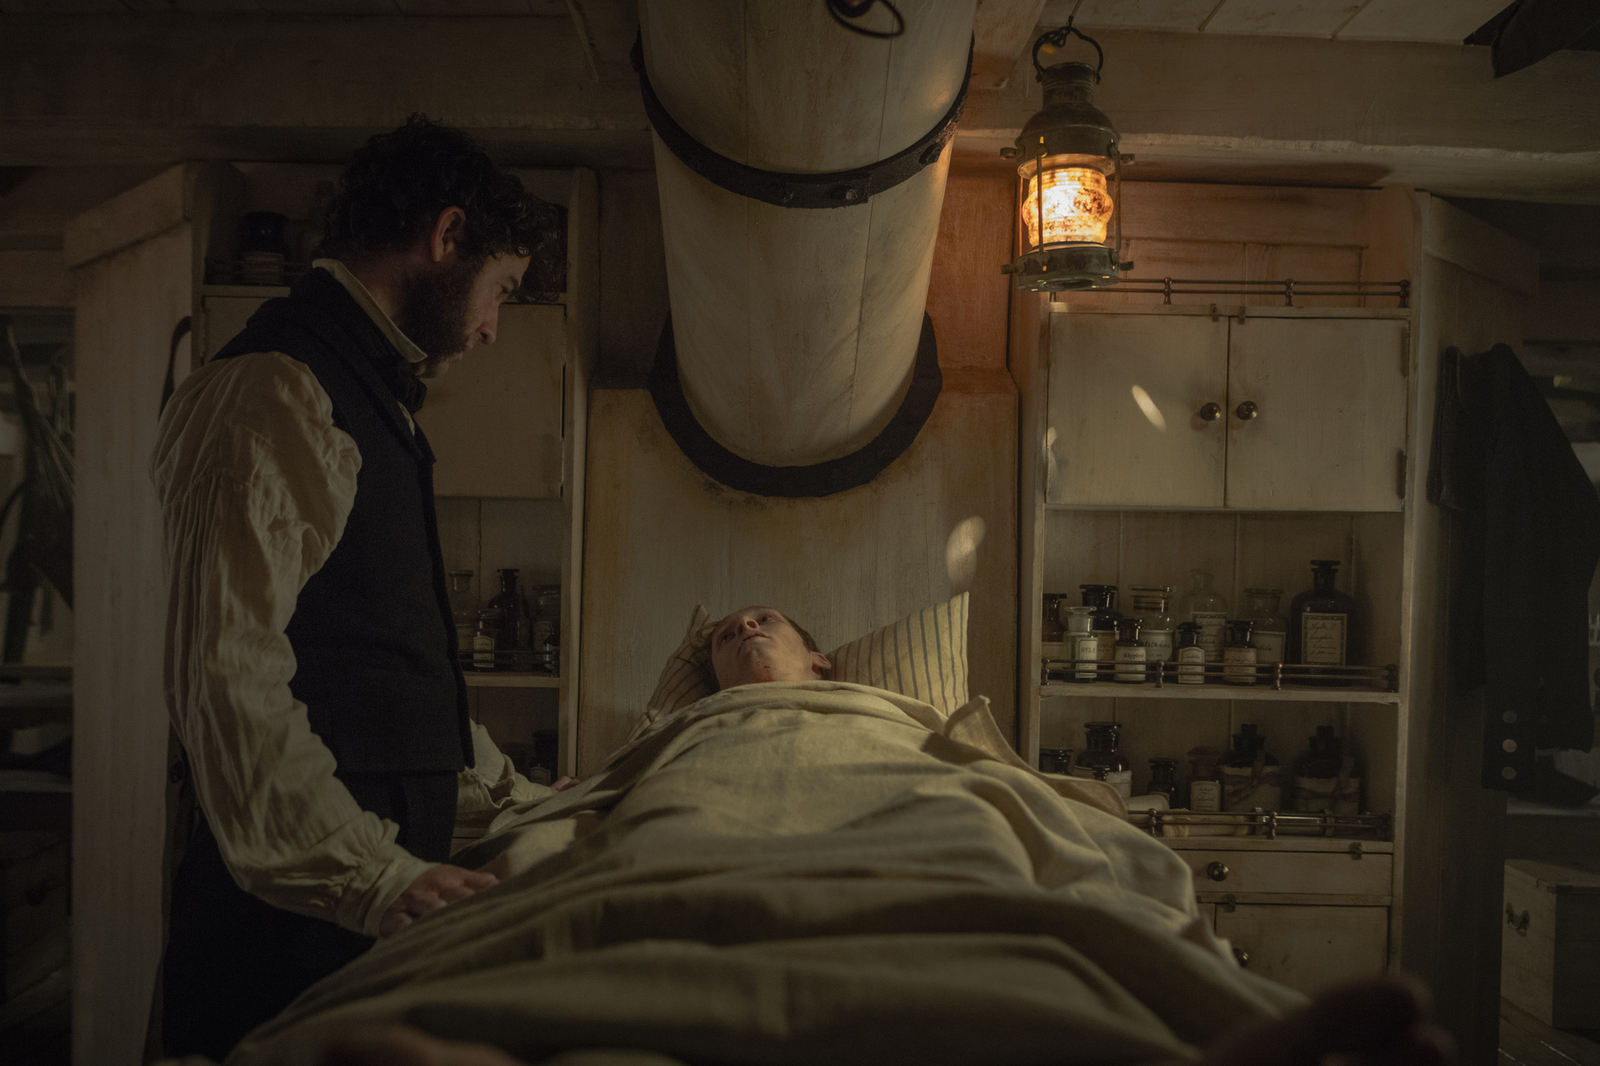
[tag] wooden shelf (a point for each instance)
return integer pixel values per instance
(1284, 842)
(511, 680)
(1295, 694)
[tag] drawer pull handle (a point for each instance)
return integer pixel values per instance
(1519, 922)
(1210, 412)
(1217, 871)
(1247, 410)
(1242, 957)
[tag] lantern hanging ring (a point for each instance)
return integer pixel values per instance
(1058, 39)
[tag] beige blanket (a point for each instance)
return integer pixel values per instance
(810, 873)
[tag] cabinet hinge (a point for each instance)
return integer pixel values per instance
(1400, 474)
(1405, 353)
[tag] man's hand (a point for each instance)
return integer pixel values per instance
(439, 886)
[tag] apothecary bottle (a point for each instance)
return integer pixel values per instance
(1324, 623)
(1271, 629)
(1163, 779)
(1055, 760)
(1190, 654)
(463, 612)
(1130, 654)
(1101, 760)
(1155, 624)
(546, 642)
(1325, 780)
(1205, 605)
(1239, 654)
(486, 638)
(1082, 646)
(513, 644)
(1251, 777)
(1050, 625)
(1205, 782)
(1103, 598)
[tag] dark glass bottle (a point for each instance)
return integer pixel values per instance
(1103, 598)
(1251, 777)
(1055, 760)
(546, 642)
(513, 638)
(1050, 629)
(1131, 654)
(1190, 654)
(1239, 654)
(1205, 780)
(1325, 778)
(1101, 760)
(1163, 779)
(1324, 623)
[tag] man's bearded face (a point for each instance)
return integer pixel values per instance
(436, 311)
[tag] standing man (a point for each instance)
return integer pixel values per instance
(311, 668)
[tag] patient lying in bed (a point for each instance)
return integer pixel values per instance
(801, 870)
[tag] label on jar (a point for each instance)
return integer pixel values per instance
(1240, 666)
(1108, 644)
(1322, 638)
(1205, 797)
(1121, 780)
(1131, 669)
(482, 651)
(1211, 635)
(1191, 668)
(1086, 649)
(1159, 643)
(1269, 646)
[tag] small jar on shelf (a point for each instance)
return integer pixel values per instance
(1271, 629)
(1324, 623)
(1205, 781)
(1251, 778)
(1190, 654)
(1081, 645)
(1163, 779)
(1130, 654)
(1103, 598)
(1101, 760)
(1204, 605)
(1239, 654)
(1155, 624)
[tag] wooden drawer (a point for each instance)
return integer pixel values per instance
(1307, 948)
(1284, 873)
(1550, 942)
(33, 906)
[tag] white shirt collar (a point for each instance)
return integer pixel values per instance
(353, 285)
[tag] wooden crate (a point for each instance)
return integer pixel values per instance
(1550, 942)
(33, 909)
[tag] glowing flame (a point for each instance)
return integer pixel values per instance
(1148, 406)
(1077, 206)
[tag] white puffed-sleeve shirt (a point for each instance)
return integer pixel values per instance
(255, 484)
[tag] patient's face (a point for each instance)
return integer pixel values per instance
(758, 644)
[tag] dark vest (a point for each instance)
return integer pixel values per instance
(373, 639)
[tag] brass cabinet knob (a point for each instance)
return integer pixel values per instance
(1210, 412)
(1247, 410)
(1241, 956)
(1217, 871)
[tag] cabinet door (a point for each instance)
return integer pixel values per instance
(1105, 449)
(1330, 422)
(494, 417)
(1307, 948)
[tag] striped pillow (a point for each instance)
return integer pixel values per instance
(923, 655)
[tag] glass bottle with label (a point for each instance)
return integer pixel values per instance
(1163, 779)
(1324, 625)
(464, 612)
(1131, 654)
(1239, 654)
(1251, 777)
(1205, 605)
(1081, 645)
(546, 628)
(1103, 598)
(1190, 655)
(1155, 629)
(1325, 778)
(1055, 760)
(1205, 782)
(1271, 628)
(513, 642)
(486, 638)
(1051, 636)
(1101, 760)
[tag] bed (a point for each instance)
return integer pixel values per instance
(824, 871)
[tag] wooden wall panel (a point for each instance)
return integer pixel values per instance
(662, 537)
(128, 303)
(967, 295)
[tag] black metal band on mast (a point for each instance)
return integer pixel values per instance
(818, 479)
(841, 188)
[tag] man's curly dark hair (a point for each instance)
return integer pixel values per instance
(398, 182)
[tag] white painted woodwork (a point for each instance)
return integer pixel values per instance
(494, 417)
(1331, 414)
(222, 318)
(796, 330)
(662, 537)
(129, 298)
(1451, 235)
(1308, 948)
(1550, 942)
(1103, 448)
(1302, 873)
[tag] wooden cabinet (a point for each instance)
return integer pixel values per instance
(1308, 948)
(1265, 409)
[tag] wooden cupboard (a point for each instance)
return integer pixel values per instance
(1333, 466)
